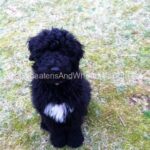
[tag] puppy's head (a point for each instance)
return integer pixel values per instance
(55, 51)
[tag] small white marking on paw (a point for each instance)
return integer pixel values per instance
(58, 111)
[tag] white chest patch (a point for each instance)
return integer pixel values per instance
(58, 111)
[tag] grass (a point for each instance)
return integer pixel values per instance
(116, 36)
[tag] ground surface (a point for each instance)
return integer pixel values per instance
(116, 35)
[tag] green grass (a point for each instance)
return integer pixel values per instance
(116, 36)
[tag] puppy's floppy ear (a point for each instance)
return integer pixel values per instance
(31, 47)
(35, 47)
(79, 50)
(37, 44)
(74, 45)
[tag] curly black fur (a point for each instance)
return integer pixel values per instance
(59, 49)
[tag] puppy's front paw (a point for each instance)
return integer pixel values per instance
(58, 140)
(75, 138)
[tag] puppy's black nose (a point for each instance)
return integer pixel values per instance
(56, 69)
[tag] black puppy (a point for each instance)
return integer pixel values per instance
(60, 93)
